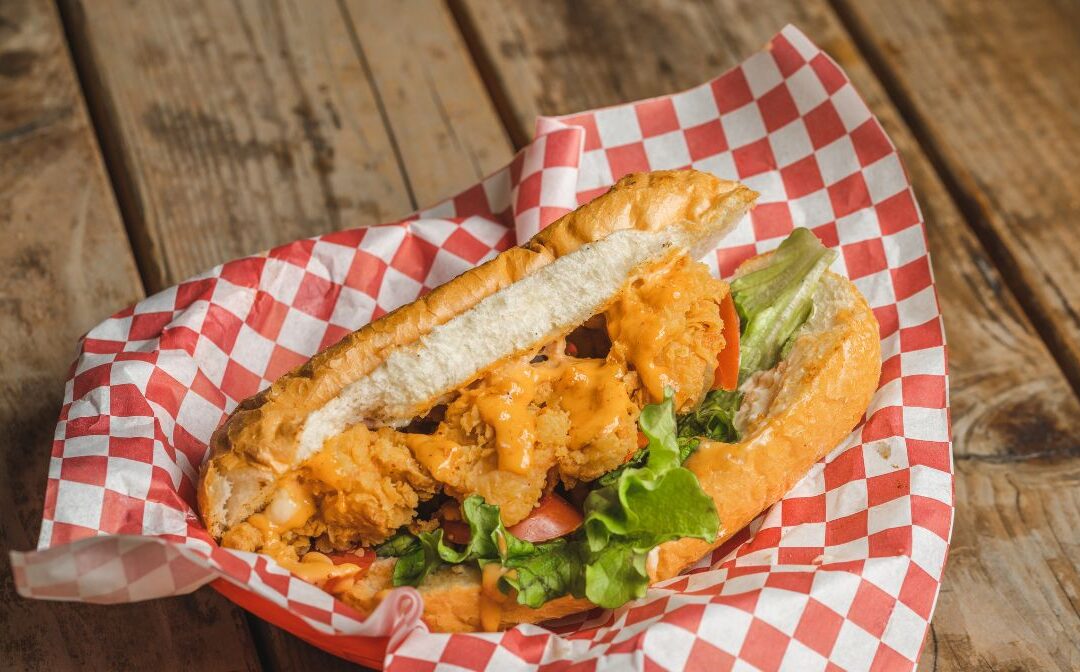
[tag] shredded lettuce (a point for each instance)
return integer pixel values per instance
(714, 419)
(776, 299)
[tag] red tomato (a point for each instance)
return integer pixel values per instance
(456, 531)
(727, 369)
(364, 558)
(552, 518)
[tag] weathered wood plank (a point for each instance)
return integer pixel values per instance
(65, 263)
(1010, 402)
(1012, 587)
(236, 127)
(1002, 123)
(444, 123)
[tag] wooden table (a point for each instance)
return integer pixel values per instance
(168, 137)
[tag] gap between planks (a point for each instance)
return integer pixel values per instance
(499, 95)
(380, 103)
(89, 82)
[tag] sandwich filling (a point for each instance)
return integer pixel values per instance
(563, 413)
(595, 423)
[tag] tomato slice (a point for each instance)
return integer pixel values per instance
(456, 531)
(727, 362)
(363, 558)
(552, 518)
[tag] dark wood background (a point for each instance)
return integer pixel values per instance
(166, 137)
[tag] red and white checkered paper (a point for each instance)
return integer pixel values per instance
(843, 573)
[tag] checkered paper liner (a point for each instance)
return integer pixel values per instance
(842, 573)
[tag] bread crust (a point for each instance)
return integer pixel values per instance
(819, 403)
(262, 433)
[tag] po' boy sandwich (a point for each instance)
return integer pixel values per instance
(580, 417)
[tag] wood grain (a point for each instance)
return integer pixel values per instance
(445, 126)
(234, 127)
(1002, 122)
(1012, 590)
(65, 263)
(1010, 402)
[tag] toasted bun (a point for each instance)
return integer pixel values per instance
(397, 367)
(798, 414)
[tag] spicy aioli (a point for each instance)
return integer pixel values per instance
(505, 408)
(590, 391)
(668, 324)
(491, 598)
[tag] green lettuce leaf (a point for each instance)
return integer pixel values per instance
(605, 560)
(645, 507)
(553, 569)
(421, 554)
(616, 574)
(398, 545)
(714, 418)
(772, 302)
(483, 520)
(413, 567)
(776, 299)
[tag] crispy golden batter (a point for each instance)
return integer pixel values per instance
(667, 325)
(368, 484)
(503, 437)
